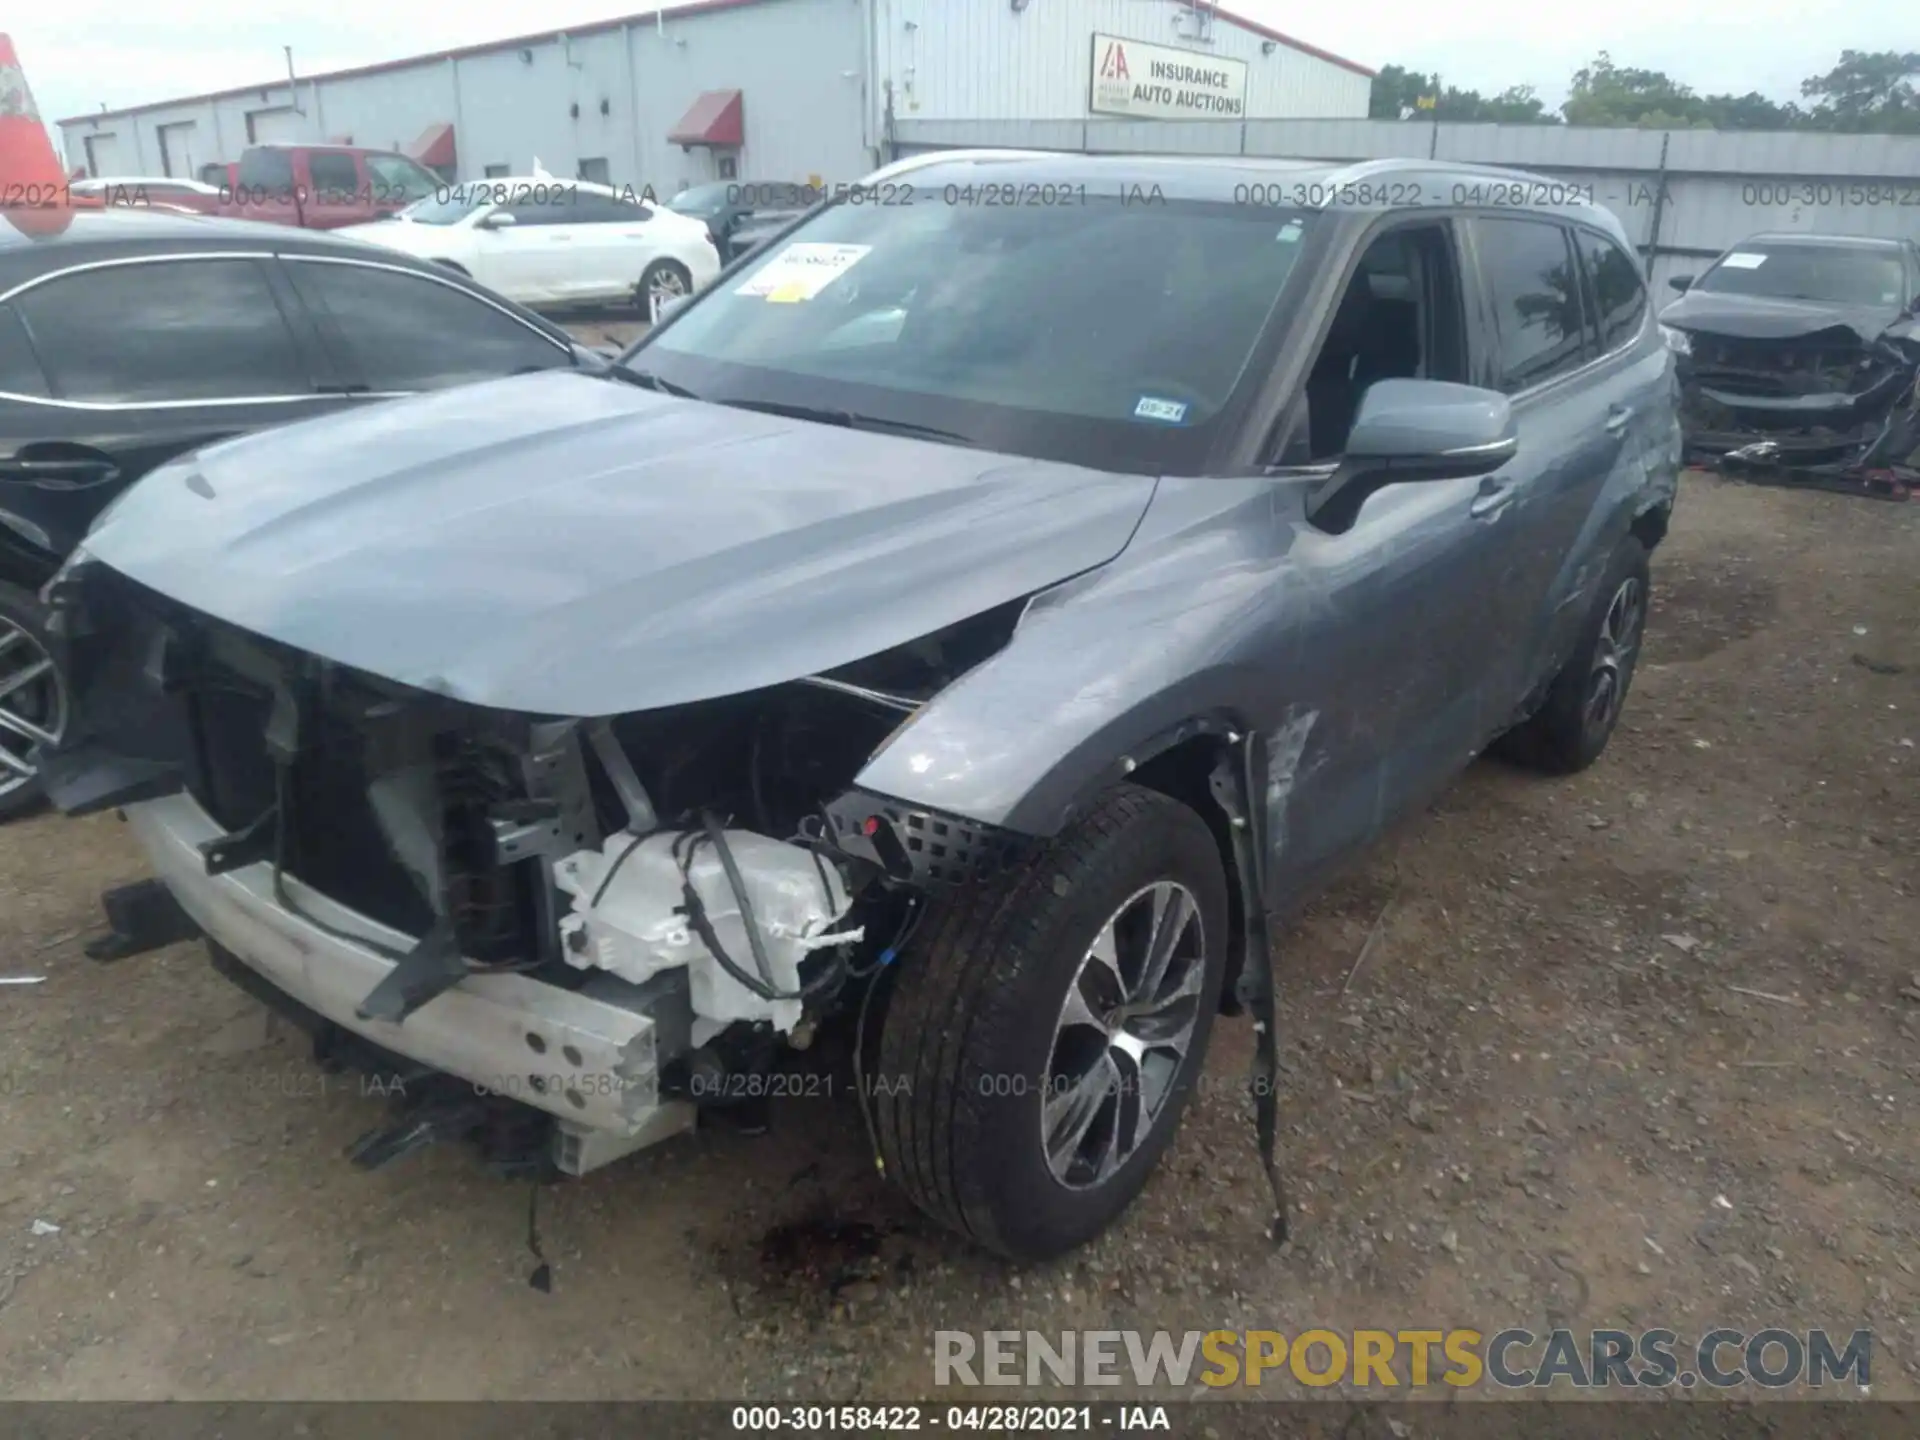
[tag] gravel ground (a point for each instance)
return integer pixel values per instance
(1635, 1048)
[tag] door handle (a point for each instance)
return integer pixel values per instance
(1618, 418)
(1494, 496)
(60, 467)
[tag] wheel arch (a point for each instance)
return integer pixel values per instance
(1184, 771)
(1650, 525)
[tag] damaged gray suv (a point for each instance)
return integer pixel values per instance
(966, 626)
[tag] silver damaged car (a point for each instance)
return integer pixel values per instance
(963, 631)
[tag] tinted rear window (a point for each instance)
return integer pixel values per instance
(1620, 300)
(409, 332)
(334, 175)
(1535, 288)
(170, 330)
(267, 170)
(20, 373)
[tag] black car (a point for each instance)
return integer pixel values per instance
(741, 215)
(1801, 351)
(132, 337)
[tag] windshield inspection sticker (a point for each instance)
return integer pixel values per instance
(1167, 412)
(802, 271)
(1744, 261)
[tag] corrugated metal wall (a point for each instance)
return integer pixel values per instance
(800, 64)
(1684, 196)
(983, 60)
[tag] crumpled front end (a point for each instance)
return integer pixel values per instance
(611, 922)
(1829, 405)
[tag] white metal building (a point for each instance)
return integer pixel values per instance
(750, 89)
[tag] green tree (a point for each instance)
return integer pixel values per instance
(1751, 111)
(1518, 105)
(1397, 92)
(1867, 91)
(1607, 94)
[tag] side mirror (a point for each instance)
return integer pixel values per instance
(1680, 282)
(1415, 430)
(498, 220)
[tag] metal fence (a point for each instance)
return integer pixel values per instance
(1684, 195)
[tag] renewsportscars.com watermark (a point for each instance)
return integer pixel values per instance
(1389, 1359)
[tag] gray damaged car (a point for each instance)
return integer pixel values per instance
(1799, 361)
(962, 631)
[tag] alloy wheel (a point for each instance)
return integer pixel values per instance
(33, 705)
(667, 284)
(1123, 1035)
(1613, 656)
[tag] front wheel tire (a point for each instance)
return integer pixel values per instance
(33, 700)
(1041, 1044)
(662, 281)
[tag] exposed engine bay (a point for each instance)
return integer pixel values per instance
(1832, 408)
(705, 871)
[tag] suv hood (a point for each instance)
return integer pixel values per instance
(575, 546)
(1756, 317)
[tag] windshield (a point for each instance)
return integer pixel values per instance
(395, 177)
(1093, 330)
(448, 205)
(701, 201)
(1838, 274)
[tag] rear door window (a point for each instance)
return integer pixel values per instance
(20, 372)
(266, 175)
(335, 176)
(1533, 283)
(543, 203)
(594, 208)
(410, 332)
(1620, 299)
(165, 330)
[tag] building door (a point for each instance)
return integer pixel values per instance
(177, 150)
(103, 154)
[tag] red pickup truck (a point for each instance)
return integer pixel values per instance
(322, 187)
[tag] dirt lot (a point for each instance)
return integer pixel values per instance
(1635, 1048)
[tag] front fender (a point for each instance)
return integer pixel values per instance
(1186, 634)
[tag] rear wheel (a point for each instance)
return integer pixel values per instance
(1583, 704)
(664, 280)
(1040, 1046)
(33, 700)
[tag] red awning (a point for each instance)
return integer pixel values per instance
(434, 148)
(713, 119)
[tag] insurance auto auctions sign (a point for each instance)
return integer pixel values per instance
(1157, 82)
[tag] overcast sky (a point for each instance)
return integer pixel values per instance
(82, 53)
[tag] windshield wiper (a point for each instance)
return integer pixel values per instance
(852, 420)
(647, 380)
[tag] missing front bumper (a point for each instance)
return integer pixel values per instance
(586, 1057)
(1877, 456)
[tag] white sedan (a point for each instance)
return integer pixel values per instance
(545, 241)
